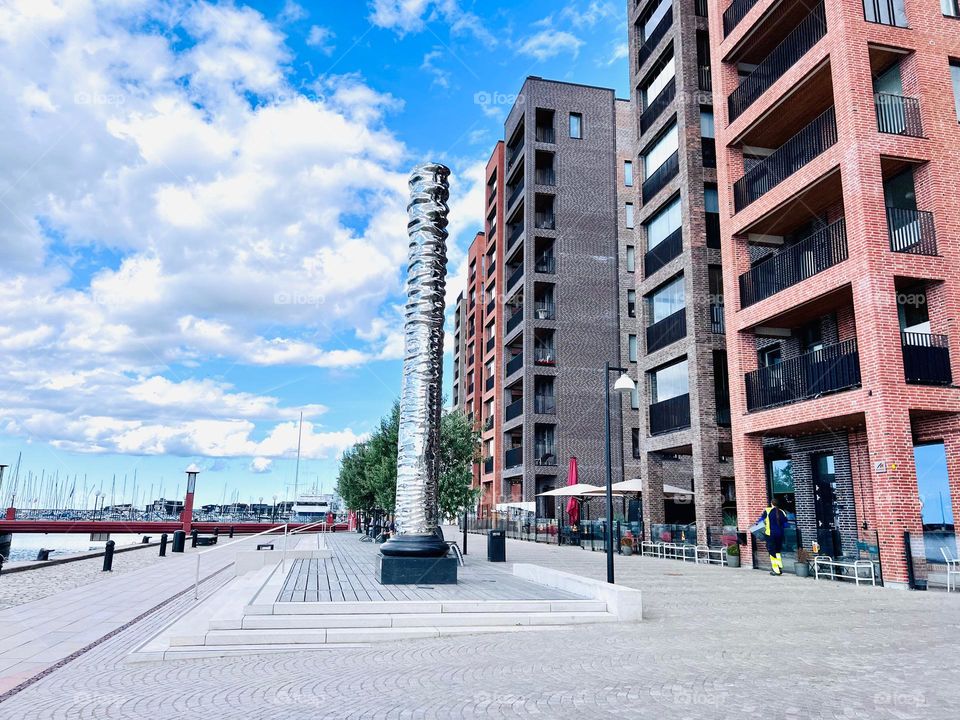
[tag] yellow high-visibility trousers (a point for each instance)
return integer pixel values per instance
(776, 563)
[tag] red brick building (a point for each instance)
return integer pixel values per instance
(838, 149)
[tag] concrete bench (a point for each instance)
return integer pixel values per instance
(828, 567)
(206, 540)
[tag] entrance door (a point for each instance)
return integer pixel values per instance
(824, 504)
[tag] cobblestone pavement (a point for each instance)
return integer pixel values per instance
(715, 643)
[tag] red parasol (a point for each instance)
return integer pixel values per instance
(573, 504)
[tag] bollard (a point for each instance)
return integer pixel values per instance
(231, 532)
(216, 532)
(193, 538)
(163, 545)
(2, 559)
(179, 540)
(108, 556)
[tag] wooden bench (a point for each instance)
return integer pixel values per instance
(832, 565)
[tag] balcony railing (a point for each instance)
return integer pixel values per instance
(487, 465)
(808, 144)
(712, 221)
(544, 311)
(514, 320)
(513, 153)
(661, 176)
(544, 221)
(670, 415)
(666, 331)
(723, 416)
(513, 410)
(783, 57)
(546, 264)
(514, 194)
(488, 423)
(545, 134)
(704, 78)
(735, 13)
(544, 404)
(785, 268)
(515, 276)
(492, 305)
(658, 105)
(514, 364)
(650, 44)
(491, 269)
(708, 149)
(898, 115)
(830, 369)
(544, 356)
(662, 253)
(545, 176)
(717, 323)
(491, 343)
(513, 457)
(545, 453)
(516, 230)
(700, 8)
(926, 358)
(911, 231)
(885, 12)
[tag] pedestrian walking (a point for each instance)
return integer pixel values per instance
(773, 520)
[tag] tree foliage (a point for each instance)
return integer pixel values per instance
(368, 470)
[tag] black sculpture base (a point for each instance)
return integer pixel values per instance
(421, 546)
(394, 570)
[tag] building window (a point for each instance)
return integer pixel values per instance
(635, 399)
(669, 382)
(631, 258)
(628, 215)
(576, 125)
(666, 300)
(661, 151)
(707, 128)
(658, 82)
(663, 224)
(951, 8)
(628, 173)
(631, 303)
(653, 19)
(635, 443)
(955, 77)
(632, 344)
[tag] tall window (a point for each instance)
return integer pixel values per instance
(706, 123)
(576, 125)
(631, 258)
(950, 7)
(669, 382)
(628, 214)
(635, 442)
(658, 82)
(628, 173)
(666, 300)
(955, 76)
(654, 18)
(631, 303)
(633, 347)
(663, 224)
(711, 200)
(661, 151)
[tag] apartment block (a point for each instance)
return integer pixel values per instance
(678, 344)
(838, 153)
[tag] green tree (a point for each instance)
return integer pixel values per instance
(459, 450)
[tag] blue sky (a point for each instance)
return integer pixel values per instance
(203, 224)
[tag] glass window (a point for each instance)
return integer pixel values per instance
(650, 24)
(955, 76)
(666, 300)
(661, 151)
(668, 382)
(628, 214)
(633, 347)
(576, 125)
(781, 484)
(711, 200)
(890, 12)
(659, 81)
(665, 222)
(635, 442)
(635, 399)
(950, 7)
(631, 258)
(631, 303)
(628, 173)
(706, 124)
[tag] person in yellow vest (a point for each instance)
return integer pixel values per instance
(774, 525)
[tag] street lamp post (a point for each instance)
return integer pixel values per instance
(623, 383)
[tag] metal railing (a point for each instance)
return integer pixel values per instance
(487, 465)
(667, 331)
(650, 44)
(830, 369)
(544, 221)
(658, 105)
(712, 222)
(546, 264)
(544, 310)
(514, 194)
(513, 410)
(911, 231)
(513, 153)
(514, 320)
(898, 115)
(808, 144)
(791, 265)
(669, 415)
(663, 252)
(661, 176)
(514, 234)
(545, 454)
(544, 356)
(783, 57)
(514, 364)
(545, 134)
(885, 12)
(708, 151)
(492, 305)
(545, 176)
(735, 13)
(513, 457)
(544, 404)
(515, 276)
(491, 381)
(704, 78)
(926, 358)
(717, 323)
(700, 8)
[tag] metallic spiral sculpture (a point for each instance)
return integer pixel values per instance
(420, 394)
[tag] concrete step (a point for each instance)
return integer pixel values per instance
(448, 619)
(398, 607)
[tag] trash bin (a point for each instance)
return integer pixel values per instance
(496, 546)
(179, 540)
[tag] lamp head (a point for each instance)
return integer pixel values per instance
(625, 383)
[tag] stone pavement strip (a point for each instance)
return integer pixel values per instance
(715, 643)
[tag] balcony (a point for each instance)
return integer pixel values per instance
(704, 78)
(898, 115)
(783, 57)
(661, 176)
(513, 458)
(717, 323)
(723, 416)
(544, 404)
(543, 310)
(491, 343)
(488, 424)
(514, 233)
(735, 13)
(545, 176)
(708, 150)
(667, 331)
(808, 144)
(926, 358)
(712, 222)
(514, 320)
(513, 410)
(515, 276)
(487, 465)
(546, 264)
(544, 356)
(662, 253)
(489, 384)
(514, 153)
(515, 363)
(544, 221)
(911, 231)
(789, 266)
(545, 454)
(514, 194)
(830, 369)
(670, 415)
(658, 105)
(491, 269)
(545, 135)
(650, 44)
(700, 8)
(492, 305)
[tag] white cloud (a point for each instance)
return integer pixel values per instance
(407, 16)
(441, 77)
(260, 465)
(550, 43)
(320, 37)
(618, 52)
